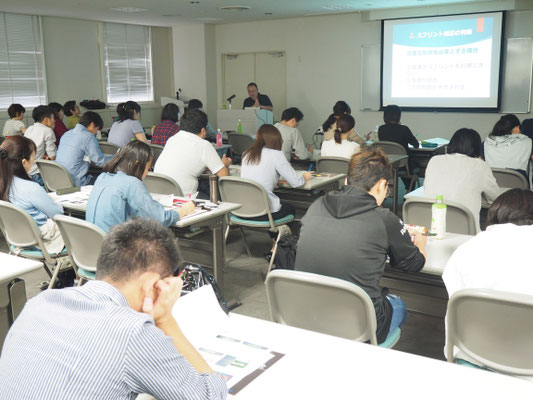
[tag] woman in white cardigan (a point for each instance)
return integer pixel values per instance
(340, 146)
(461, 175)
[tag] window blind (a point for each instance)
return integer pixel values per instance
(22, 77)
(128, 63)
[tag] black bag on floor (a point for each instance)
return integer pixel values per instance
(93, 104)
(286, 254)
(194, 277)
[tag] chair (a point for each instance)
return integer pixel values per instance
(156, 151)
(54, 175)
(509, 178)
(254, 203)
(240, 142)
(20, 230)
(337, 165)
(492, 328)
(84, 242)
(396, 148)
(162, 184)
(109, 149)
(459, 219)
(323, 304)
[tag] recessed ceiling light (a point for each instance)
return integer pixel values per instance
(338, 7)
(268, 13)
(194, 2)
(234, 8)
(129, 9)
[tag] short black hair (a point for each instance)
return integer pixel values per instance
(368, 168)
(252, 84)
(194, 104)
(514, 206)
(465, 141)
(193, 121)
(41, 112)
(91, 116)
(15, 109)
(68, 107)
(291, 113)
(527, 127)
(57, 108)
(137, 246)
(502, 128)
(513, 119)
(170, 112)
(131, 159)
(392, 114)
(341, 107)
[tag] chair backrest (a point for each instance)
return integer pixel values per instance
(337, 165)
(240, 142)
(493, 328)
(109, 149)
(54, 175)
(509, 178)
(20, 229)
(162, 184)
(459, 219)
(390, 147)
(82, 239)
(156, 151)
(321, 304)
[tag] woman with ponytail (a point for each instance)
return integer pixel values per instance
(17, 155)
(127, 127)
(340, 146)
(328, 127)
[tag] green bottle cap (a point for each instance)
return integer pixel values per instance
(440, 198)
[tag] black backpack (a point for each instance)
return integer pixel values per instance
(286, 254)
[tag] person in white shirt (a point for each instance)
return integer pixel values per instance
(498, 258)
(15, 126)
(460, 175)
(42, 134)
(265, 163)
(506, 147)
(187, 154)
(292, 138)
(340, 146)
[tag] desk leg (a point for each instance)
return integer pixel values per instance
(219, 252)
(395, 191)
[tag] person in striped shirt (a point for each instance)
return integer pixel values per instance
(115, 336)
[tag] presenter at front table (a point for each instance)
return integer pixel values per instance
(256, 99)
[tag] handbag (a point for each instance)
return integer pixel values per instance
(194, 277)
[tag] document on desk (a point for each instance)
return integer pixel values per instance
(171, 202)
(237, 359)
(80, 197)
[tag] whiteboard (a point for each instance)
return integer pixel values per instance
(516, 88)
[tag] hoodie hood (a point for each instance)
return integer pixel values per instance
(504, 141)
(349, 201)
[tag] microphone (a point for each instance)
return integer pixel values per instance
(231, 97)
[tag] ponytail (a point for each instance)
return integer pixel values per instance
(126, 110)
(337, 136)
(327, 125)
(345, 123)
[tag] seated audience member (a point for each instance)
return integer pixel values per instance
(526, 128)
(42, 134)
(340, 146)
(498, 258)
(328, 127)
(460, 175)
(506, 147)
(113, 337)
(119, 193)
(168, 126)
(256, 99)
(346, 234)
(72, 111)
(79, 143)
(17, 155)
(292, 138)
(59, 126)
(188, 154)
(211, 133)
(15, 125)
(265, 163)
(394, 131)
(128, 127)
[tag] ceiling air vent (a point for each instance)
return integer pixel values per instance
(234, 8)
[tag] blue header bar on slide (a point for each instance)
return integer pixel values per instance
(444, 33)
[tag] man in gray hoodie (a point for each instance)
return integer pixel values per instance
(346, 234)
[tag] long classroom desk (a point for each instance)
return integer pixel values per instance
(214, 220)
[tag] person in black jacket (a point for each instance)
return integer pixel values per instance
(346, 234)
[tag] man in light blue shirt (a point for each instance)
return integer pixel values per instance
(78, 143)
(115, 336)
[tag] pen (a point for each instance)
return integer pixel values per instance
(310, 167)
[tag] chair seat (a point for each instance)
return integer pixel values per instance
(393, 337)
(34, 252)
(460, 361)
(86, 274)
(261, 224)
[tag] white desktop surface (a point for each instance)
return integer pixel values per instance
(13, 266)
(439, 251)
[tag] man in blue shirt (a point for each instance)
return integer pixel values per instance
(78, 143)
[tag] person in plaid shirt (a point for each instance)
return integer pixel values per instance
(168, 126)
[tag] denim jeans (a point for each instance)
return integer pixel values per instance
(399, 312)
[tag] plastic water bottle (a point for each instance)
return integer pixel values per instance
(219, 138)
(438, 218)
(239, 127)
(376, 129)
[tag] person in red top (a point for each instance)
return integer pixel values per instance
(60, 127)
(168, 126)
